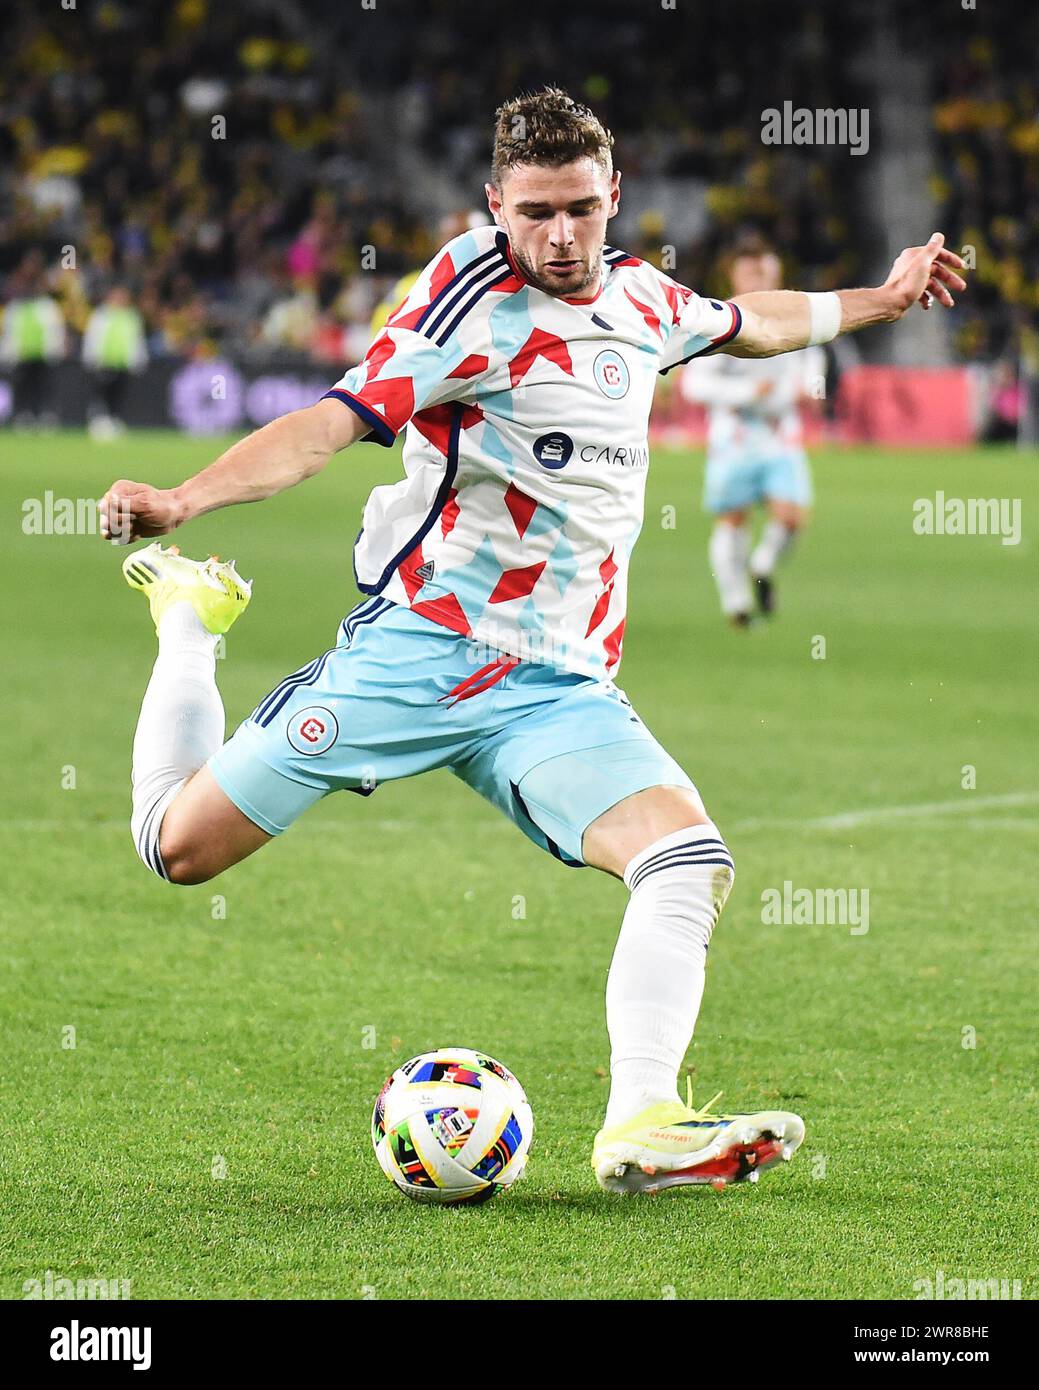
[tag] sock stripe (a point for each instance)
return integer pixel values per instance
(706, 842)
(640, 880)
(685, 847)
(682, 851)
(694, 852)
(690, 844)
(142, 841)
(682, 843)
(727, 863)
(153, 847)
(148, 839)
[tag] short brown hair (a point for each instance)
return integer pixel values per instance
(547, 127)
(750, 245)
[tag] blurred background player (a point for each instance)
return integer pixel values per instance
(113, 348)
(755, 450)
(32, 341)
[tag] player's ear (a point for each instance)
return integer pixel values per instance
(615, 194)
(494, 203)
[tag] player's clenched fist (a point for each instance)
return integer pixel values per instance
(131, 511)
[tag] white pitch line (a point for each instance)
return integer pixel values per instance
(1028, 823)
(845, 820)
(848, 820)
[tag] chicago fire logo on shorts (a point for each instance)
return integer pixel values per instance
(312, 730)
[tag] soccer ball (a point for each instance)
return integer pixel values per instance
(452, 1126)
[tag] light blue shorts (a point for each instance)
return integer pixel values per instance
(400, 694)
(733, 481)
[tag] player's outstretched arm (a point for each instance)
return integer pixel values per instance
(784, 320)
(281, 454)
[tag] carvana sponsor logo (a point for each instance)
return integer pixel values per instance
(553, 450)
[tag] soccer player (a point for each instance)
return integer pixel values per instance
(32, 342)
(521, 368)
(114, 347)
(755, 453)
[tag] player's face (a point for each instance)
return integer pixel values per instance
(751, 273)
(556, 222)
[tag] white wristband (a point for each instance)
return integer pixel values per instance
(824, 318)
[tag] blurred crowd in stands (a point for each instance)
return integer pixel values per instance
(218, 166)
(179, 180)
(986, 179)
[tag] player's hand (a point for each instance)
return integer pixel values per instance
(923, 274)
(132, 511)
(763, 389)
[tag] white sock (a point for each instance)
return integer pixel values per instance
(653, 992)
(181, 724)
(775, 538)
(728, 550)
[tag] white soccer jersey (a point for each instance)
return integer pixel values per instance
(526, 448)
(743, 423)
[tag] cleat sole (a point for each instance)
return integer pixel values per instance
(747, 1155)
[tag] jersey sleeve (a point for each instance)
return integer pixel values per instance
(697, 326)
(415, 361)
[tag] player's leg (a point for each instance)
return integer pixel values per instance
(620, 803)
(788, 495)
(203, 832)
(784, 521)
(341, 722)
(679, 872)
(185, 828)
(731, 488)
(729, 552)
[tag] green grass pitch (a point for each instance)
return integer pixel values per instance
(247, 1034)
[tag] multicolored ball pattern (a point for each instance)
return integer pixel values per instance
(452, 1126)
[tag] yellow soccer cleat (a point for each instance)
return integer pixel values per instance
(213, 587)
(671, 1144)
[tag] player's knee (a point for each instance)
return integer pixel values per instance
(184, 872)
(690, 859)
(172, 858)
(713, 859)
(724, 878)
(186, 863)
